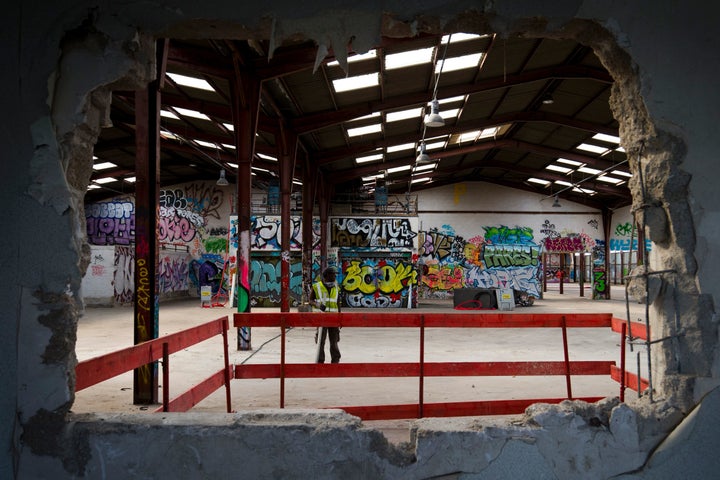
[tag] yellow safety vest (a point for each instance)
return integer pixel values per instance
(329, 299)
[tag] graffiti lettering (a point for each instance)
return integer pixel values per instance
(623, 229)
(378, 279)
(599, 285)
(110, 223)
(564, 244)
(173, 274)
(174, 229)
(620, 244)
(266, 233)
(358, 300)
(510, 255)
(371, 232)
(110, 210)
(266, 278)
(505, 235)
(123, 275)
(435, 245)
(518, 278)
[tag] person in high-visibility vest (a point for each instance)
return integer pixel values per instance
(325, 298)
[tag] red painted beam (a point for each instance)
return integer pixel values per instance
(449, 369)
(456, 409)
(187, 400)
(104, 367)
(431, 320)
(634, 329)
(631, 379)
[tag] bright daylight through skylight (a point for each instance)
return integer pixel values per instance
(357, 82)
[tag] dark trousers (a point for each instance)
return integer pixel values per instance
(333, 334)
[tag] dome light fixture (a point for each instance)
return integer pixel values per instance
(222, 181)
(433, 119)
(423, 157)
(556, 203)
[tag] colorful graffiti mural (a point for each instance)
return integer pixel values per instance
(371, 233)
(504, 258)
(110, 223)
(173, 273)
(377, 282)
(266, 279)
(265, 233)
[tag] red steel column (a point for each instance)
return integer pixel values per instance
(245, 104)
(308, 205)
(147, 192)
(287, 160)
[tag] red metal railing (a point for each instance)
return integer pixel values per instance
(634, 330)
(104, 367)
(422, 369)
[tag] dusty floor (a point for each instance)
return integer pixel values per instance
(102, 330)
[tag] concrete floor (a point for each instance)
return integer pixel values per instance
(102, 330)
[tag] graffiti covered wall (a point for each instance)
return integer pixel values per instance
(192, 222)
(376, 260)
(504, 257)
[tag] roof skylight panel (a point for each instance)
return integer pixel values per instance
(192, 82)
(539, 181)
(404, 114)
(459, 37)
(366, 130)
(559, 168)
(369, 158)
(266, 157)
(408, 58)
(427, 166)
(103, 165)
(355, 58)
(357, 82)
(399, 169)
(191, 113)
(608, 179)
(591, 171)
(593, 148)
(606, 138)
(458, 63)
(401, 147)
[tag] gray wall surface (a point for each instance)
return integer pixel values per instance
(60, 63)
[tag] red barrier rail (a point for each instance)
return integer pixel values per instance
(631, 330)
(422, 369)
(104, 367)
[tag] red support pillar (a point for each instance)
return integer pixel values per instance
(245, 104)
(308, 204)
(324, 206)
(147, 193)
(287, 160)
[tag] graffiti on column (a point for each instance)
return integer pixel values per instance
(110, 223)
(377, 282)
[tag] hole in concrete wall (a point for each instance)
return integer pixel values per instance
(584, 32)
(643, 143)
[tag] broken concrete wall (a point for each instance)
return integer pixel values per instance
(62, 64)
